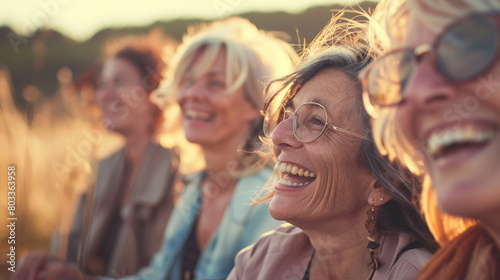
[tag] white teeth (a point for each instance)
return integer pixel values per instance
(301, 172)
(286, 182)
(293, 169)
(283, 168)
(439, 140)
(197, 115)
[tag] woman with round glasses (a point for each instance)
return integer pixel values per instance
(436, 98)
(337, 192)
(217, 77)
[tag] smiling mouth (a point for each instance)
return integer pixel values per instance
(197, 115)
(114, 107)
(293, 175)
(449, 141)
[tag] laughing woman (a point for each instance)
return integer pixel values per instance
(217, 78)
(435, 96)
(335, 190)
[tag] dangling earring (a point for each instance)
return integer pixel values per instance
(371, 226)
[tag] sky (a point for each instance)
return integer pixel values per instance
(80, 19)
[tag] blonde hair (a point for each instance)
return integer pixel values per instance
(253, 58)
(387, 30)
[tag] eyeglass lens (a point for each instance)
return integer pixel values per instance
(309, 121)
(463, 51)
(467, 49)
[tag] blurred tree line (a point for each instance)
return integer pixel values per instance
(37, 60)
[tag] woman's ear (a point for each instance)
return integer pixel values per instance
(378, 195)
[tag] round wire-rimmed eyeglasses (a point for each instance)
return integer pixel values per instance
(310, 120)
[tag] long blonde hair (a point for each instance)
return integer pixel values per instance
(253, 58)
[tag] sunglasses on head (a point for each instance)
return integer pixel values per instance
(462, 51)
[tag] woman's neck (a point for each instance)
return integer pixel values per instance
(135, 148)
(492, 226)
(223, 160)
(340, 253)
(221, 167)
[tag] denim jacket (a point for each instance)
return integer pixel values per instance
(241, 225)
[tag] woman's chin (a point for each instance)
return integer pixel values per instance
(467, 200)
(196, 139)
(281, 210)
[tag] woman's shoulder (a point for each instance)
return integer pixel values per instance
(154, 151)
(407, 260)
(416, 258)
(279, 239)
(275, 253)
(409, 264)
(285, 238)
(250, 188)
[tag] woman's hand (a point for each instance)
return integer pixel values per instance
(31, 265)
(41, 266)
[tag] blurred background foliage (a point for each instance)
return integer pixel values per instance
(37, 62)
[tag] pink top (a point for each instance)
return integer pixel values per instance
(285, 253)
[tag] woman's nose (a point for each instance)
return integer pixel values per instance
(427, 88)
(195, 90)
(283, 136)
(105, 93)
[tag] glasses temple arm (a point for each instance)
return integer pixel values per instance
(350, 133)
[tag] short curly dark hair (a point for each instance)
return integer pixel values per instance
(147, 61)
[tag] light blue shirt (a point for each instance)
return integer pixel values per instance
(241, 225)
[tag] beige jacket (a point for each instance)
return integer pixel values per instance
(144, 218)
(285, 254)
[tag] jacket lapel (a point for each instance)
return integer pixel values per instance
(107, 189)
